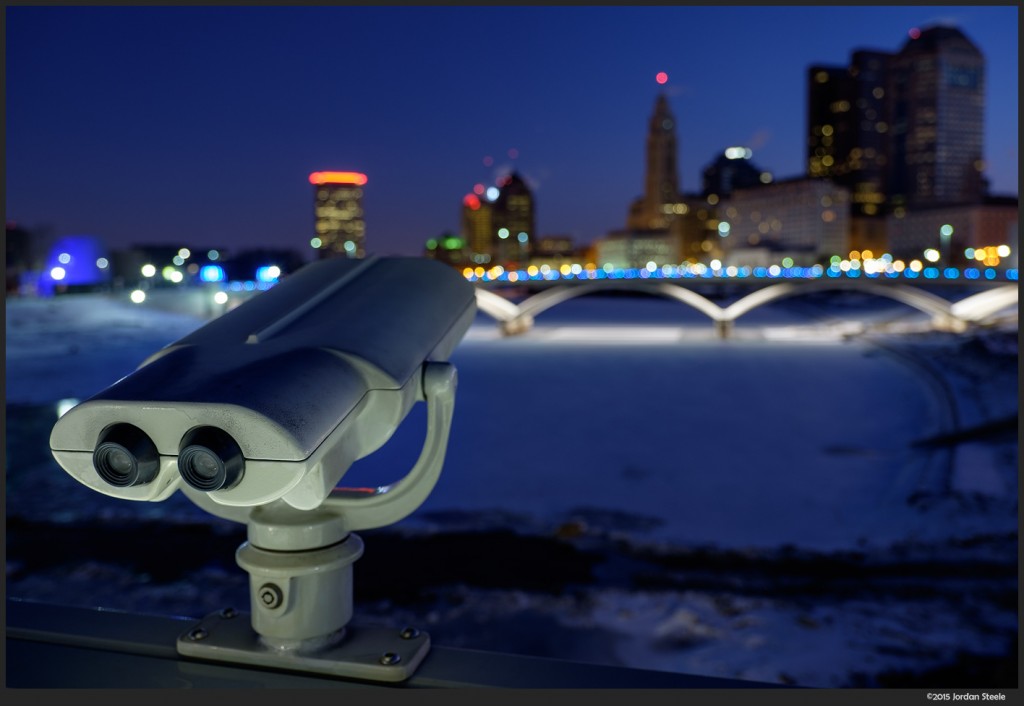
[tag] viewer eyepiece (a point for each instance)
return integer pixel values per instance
(125, 456)
(209, 459)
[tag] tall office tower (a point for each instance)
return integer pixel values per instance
(478, 228)
(847, 128)
(828, 108)
(513, 221)
(937, 115)
(661, 178)
(340, 230)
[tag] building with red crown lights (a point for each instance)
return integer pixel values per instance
(339, 227)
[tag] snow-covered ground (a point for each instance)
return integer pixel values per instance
(763, 507)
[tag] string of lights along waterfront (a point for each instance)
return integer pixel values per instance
(850, 269)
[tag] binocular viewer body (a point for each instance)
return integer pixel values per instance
(278, 397)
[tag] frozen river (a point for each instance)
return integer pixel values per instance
(700, 478)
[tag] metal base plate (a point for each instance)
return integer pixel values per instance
(372, 654)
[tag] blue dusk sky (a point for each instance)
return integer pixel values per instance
(200, 125)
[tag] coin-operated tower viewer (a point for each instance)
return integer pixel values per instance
(257, 416)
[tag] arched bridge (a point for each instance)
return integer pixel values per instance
(974, 309)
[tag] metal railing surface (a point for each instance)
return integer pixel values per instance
(53, 646)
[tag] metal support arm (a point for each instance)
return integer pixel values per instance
(300, 571)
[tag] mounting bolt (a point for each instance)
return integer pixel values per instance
(270, 595)
(228, 613)
(409, 634)
(198, 634)
(390, 658)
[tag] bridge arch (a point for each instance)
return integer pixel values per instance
(557, 295)
(939, 309)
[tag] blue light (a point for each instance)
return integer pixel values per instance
(249, 286)
(833, 272)
(743, 272)
(853, 274)
(236, 286)
(909, 273)
(951, 273)
(1012, 274)
(892, 274)
(211, 273)
(76, 256)
(971, 273)
(760, 271)
(269, 273)
(990, 273)
(931, 272)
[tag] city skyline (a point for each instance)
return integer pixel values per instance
(146, 151)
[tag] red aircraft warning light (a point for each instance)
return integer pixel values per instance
(351, 178)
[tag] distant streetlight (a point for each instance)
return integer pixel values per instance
(945, 233)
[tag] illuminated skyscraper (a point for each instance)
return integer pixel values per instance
(938, 108)
(847, 128)
(478, 228)
(901, 130)
(513, 221)
(661, 178)
(339, 230)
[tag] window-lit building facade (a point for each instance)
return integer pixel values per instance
(635, 248)
(513, 222)
(900, 131)
(955, 231)
(848, 129)
(339, 227)
(554, 251)
(937, 84)
(798, 215)
(478, 228)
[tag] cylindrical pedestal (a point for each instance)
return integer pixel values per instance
(301, 600)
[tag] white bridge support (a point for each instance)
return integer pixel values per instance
(978, 307)
(939, 309)
(508, 315)
(515, 319)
